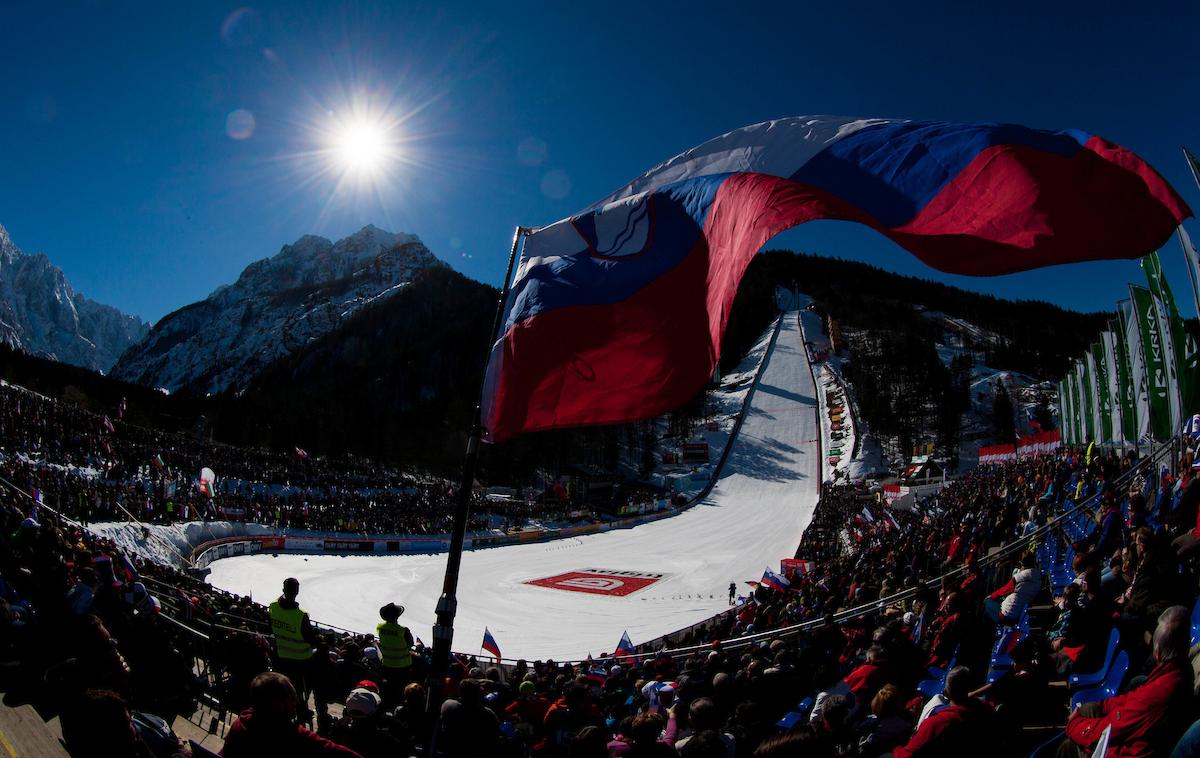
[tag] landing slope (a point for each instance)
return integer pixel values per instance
(753, 517)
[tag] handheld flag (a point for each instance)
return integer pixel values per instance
(775, 581)
(489, 644)
(617, 313)
(625, 646)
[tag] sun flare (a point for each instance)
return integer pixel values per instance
(362, 146)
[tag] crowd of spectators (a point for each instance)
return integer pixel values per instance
(96, 467)
(120, 647)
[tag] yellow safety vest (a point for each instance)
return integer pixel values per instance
(289, 640)
(393, 645)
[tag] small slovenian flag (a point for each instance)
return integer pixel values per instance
(489, 644)
(891, 520)
(108, 424)
(301, 453)
(625, 646)
(774, 581)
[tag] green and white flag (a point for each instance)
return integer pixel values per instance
(1112, 386)
(1125, 387)
(1066, 418)
(1164, 400)
(1137, 370)
(1081, 415)
(1095, 411)
(1103, 403)
(1182, 344)
(1193, 264)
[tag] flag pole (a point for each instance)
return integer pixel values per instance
(447, 605)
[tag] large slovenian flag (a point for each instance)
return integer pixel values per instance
(617, 313)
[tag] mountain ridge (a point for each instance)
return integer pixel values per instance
(275, 307)
(42, 314)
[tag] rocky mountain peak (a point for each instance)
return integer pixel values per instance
(276, 306)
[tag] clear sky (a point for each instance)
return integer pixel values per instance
(153, 150)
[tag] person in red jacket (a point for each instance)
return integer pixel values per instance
(269, 727)
(866, 679)
(1148, 719)
(962, 728)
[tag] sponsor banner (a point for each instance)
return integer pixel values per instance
(791, 567)
(599, 581)
(1155, 355)
(348, 546)
(272, 543)
(1030, 444)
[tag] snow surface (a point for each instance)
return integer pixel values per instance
(754, 516)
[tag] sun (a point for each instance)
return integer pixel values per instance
(362, 146)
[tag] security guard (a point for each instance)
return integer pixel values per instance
(395, 647)
(294, 638)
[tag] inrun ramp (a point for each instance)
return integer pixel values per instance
(567, 598)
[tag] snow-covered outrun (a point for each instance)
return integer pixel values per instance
(757, 511)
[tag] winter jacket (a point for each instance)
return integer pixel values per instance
(1144, 720)
(956, 730)
(1019, 592)
(246, 739)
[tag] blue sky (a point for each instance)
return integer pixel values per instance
(117, 160)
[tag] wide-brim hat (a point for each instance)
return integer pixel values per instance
(390, 610)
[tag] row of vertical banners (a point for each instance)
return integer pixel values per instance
(1138, 381)
(1030, 444)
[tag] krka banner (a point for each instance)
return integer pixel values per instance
(1093, 388)
(1103, 404)
(1112, 387)
(1159, 377)
(1065, 411)
(1125, 389)
(1087, 400)
(1138, 377)
(1183, 344)
(617, 313)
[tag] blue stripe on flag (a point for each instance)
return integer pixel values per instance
(893, 170)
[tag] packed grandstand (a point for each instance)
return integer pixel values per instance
(1029, 607)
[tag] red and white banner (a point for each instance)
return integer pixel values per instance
(1031, 444)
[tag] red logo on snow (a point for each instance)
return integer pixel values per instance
(599, 581)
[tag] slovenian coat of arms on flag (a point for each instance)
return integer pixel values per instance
(774, 581)
(617, 313)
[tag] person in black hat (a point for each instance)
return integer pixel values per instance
(395, 649)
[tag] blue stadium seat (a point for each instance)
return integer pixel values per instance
(790, 720)
(937, 682)
(1096, 677)
(1048, 748)
(1112, 683)
(1196, 622)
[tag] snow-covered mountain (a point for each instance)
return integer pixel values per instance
(275, 307)
(41, 314)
